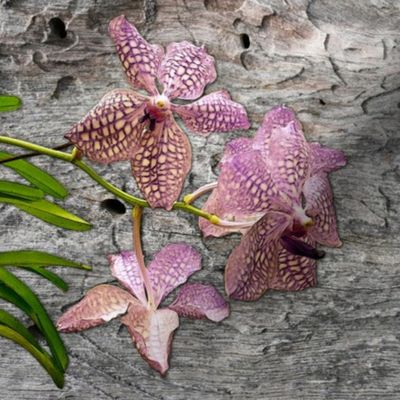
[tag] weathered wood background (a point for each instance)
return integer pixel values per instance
(337, 64)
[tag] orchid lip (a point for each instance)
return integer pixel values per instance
(299, 248)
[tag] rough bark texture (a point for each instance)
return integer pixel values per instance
(337, 64)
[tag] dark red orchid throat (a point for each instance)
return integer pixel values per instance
(158, 108)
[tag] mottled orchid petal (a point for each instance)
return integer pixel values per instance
(109, 132)
(293, 272)
(139, 58)
(215, 112)
(252, 263)
(101, 304)
(185, 71)
(236, 146)
(319, 206)
(288, 158)
(161, 162)
(298, 247)
(152, 333)
(245, 185)
(125, 268)
(325, 159)
(199, 301)
(213, 205)
(171, 267)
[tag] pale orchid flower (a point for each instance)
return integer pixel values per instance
(127, 125)
(150, 326)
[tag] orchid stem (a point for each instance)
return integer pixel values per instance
(191, 197)
(137, 245)
(132, 200)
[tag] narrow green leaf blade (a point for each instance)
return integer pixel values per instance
(44, 322)
(43, 358)
(50, 213)
(20, 191)
(13, 323)
(37, 258)
(50, 276)
(9, 295)
(9, 103)
(36, 176)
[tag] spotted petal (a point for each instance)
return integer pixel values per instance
(110, 130)
(252, 263)
(161, 162)
(185, 71)
(171, 267)
(236, 146)
(125, 268)
(215, 112)
(139, 58)
(152, 333)
(101, 304)
(199, 301)
(293, 272)
(325, 159)
(319, 205)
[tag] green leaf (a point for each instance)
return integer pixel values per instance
(9, 103)
(43, 358)
(33, 258)
(50, 276)
(9, 295)
(49, 212)
(43, 321)
(18, 190)
(36, 176)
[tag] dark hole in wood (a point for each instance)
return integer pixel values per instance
(245, 40)
(113, 205)
(57, 27)
(321, 102)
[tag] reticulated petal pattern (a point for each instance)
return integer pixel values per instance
(185, 71)
(215, 112)
(325, 159)
(171, 267)
(101, 304)
(161, 162)
(125, 268)
(252, 263)
(110, 131)
(139, 58)
(198, 301)
(152, 333)
(319, 205)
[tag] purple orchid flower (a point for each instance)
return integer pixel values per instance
(126, 125)
(151, 327)
(277, 184)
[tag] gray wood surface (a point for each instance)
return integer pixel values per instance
(337, 64)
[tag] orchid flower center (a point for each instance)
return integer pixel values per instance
(157, 108)
(301, 218)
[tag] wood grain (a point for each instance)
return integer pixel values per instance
(337, 64)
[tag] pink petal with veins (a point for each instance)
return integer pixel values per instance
(139, 58)
(319, 205)
(185, 71)
(236, 146)
(125, 268)
(294, 273)
(215, 112)
(152, 333)
(213, 205)
(325, 159)
(252, 263)
(199, 301)
(287, 152)
(171, 267)
(101, 304)
(110, 131)
(161, 162)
